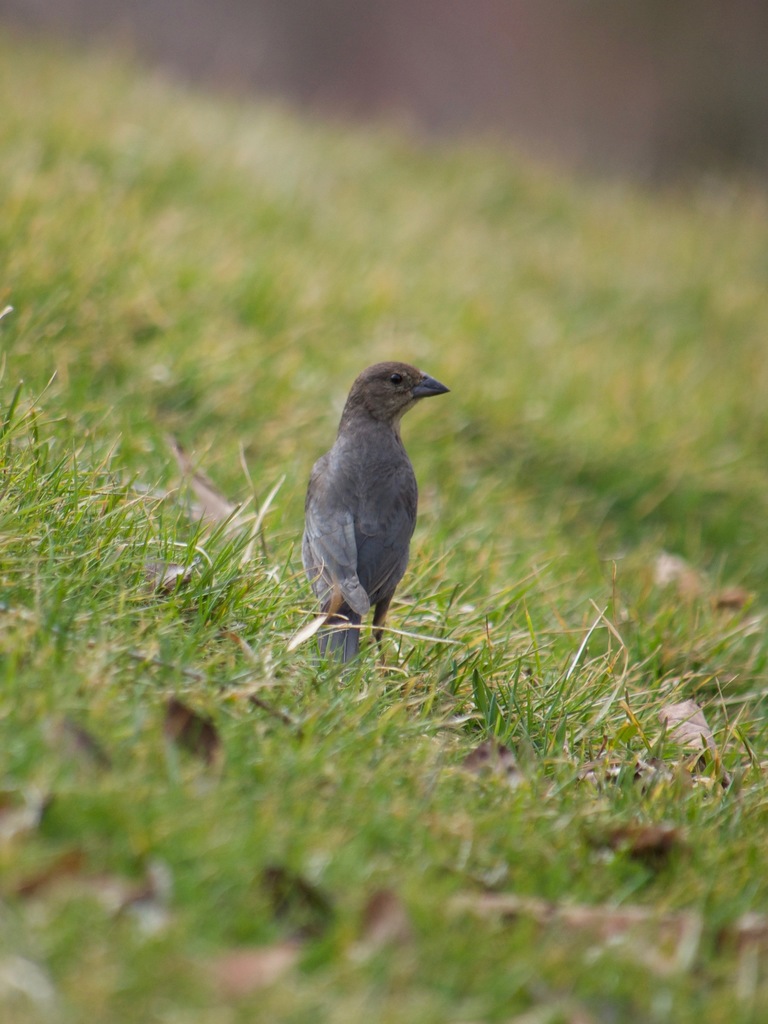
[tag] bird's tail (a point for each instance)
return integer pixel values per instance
(340, 640)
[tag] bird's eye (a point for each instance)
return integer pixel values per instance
(396, 378)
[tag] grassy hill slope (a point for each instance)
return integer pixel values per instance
(220, 272)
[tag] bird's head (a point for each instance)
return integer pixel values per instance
(387, 390)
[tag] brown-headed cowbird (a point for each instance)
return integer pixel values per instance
(361, 505)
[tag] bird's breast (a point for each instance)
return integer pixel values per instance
(378, 484)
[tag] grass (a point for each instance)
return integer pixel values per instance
(220, 271)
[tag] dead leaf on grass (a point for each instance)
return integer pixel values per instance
(385, 922)
(666, 943)
(731, 599)
(194, 732)
(490, 756)
(297, 901)
(687, 726)
(672, 570)
(241, 972)
(165, 577)
(212, 505)
(651, 844)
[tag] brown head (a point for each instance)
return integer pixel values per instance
(387, 390)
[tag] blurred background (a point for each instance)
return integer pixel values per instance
(643, 88)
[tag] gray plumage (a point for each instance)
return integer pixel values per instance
(361, 505)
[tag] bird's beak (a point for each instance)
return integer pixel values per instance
(428, 386)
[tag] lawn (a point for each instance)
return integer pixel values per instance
(202, 822)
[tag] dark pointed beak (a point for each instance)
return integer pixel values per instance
(428, 386)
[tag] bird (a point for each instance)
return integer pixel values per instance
(360, 508)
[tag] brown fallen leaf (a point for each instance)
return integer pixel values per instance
(491, 757)
(194, 732)
(212, 505)
(241, 972)
(385, 922)
(731, 599)
(687, 726)
(165, 577)
(651, 844)
(666, 943)
(296, 901)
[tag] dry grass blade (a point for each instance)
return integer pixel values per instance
(426, 637)
(306, 632)
(266, 505)
(213, 506)
(583, 644)
(259, 521)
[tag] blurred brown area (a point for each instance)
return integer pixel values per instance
(649, 88)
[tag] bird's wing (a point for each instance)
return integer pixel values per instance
(329, 550)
